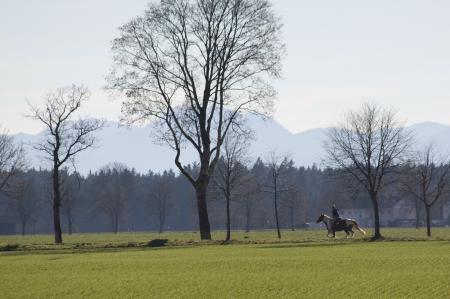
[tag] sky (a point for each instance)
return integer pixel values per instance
(339, 54)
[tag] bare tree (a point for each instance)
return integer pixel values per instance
(160, 200)
(406, 183)
(277, 166)
(293, 199)
(368, 146)
(194, 66)
(71, 184)
(428, 180)
(25, 200)
(249, 193)
(114, 185)
(231, 169)
(11, 158)
(65, 137)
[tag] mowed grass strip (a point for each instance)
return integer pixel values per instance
(140, 239)
(308, 270)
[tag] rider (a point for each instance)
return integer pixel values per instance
(335, 213)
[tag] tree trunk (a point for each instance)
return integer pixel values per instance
(228, 218)
(376, 217)
(417, 204)
(428, 213)
(248, 216)
(116, 224)
(56, 206)
(275, 197)
(200, 190)
(161, 224)
(69, 227)
(24, 224)
(292, 217)
(69, 222)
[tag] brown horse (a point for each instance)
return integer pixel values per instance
(334, 225)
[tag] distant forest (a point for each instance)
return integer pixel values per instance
(117, 198)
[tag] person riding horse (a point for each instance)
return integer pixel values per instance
(336, 216)
(346, 225)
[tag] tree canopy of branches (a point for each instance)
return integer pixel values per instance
(368, 146)
(11, 158)
(428, 179)
(65, 137)
(193, 67)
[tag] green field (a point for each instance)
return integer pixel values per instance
(303, 264)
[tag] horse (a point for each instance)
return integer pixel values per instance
(346, 225)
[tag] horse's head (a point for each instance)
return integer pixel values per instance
(321, 217)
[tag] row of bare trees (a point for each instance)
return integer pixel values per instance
(371, 147)
(111, 192)
(191, 66)
(427, 179)
(117, 198)
(234, 182)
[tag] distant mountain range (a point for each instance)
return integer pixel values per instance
(135, 148)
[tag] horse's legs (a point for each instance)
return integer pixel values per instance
(346, 231)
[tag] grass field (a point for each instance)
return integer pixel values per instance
(304, 264)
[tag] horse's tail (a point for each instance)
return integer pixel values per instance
(358, 228)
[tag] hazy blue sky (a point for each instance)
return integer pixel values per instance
(339, 54)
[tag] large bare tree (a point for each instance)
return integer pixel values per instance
(368, 146)
(65, 137)
(193, 67)
(428, 179)
(11, 158)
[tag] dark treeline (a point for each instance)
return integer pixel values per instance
(117, 198)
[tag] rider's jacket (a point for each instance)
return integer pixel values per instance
(335, 212)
